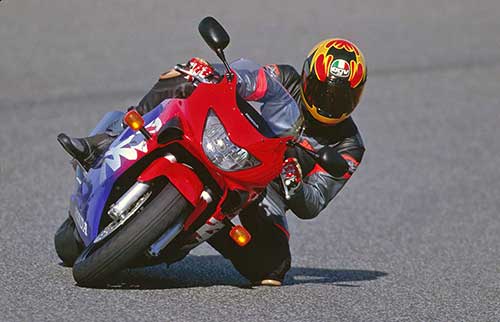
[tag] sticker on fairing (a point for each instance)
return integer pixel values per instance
(129, 149)
(82, 224)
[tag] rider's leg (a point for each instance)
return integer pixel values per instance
(86, 150)
(272, 257)
(266, 258)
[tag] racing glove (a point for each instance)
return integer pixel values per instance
(200, 67)
(291, 177)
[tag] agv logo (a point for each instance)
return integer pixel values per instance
(339, 68)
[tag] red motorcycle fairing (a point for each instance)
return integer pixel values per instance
(182, 177)
(221, 99)
(190, 119)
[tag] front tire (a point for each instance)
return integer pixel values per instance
(68, 247)
(98, 261)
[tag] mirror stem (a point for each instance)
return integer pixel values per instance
(222, 57)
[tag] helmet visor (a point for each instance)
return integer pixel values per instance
(332, 98)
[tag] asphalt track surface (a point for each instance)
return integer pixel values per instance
(415, 234)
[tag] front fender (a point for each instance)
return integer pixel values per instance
(180, 175)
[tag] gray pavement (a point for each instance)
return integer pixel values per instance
(415, 234)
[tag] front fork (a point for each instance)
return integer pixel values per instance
(190, 186)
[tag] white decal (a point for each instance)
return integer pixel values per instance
(208, 229)
(154, 126)
(80, 221)
(127, 149)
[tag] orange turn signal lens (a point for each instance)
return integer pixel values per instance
(240, 235)
(134, 120)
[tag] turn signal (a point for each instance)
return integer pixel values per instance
(134, 120)
(240, 235)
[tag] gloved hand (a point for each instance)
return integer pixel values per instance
(291, 177)
(200, 67)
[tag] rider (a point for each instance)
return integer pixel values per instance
(328, 90)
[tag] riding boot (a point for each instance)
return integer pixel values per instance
(86, 150)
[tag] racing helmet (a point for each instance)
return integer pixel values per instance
(333, 78)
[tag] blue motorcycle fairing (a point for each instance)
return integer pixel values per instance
(92, 189)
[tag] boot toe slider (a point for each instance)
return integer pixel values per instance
(267, 282)
(67, 144)
(77, 148)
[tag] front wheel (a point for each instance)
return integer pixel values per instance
(67, 245)
(98, 261)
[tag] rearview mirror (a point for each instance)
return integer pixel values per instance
(213, 34)
(332, 162)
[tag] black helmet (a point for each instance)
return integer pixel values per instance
(333, 78)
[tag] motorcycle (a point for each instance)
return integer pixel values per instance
(176, 175)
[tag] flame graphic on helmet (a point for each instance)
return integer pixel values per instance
(322, 60)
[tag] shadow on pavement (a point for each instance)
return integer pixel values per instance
(214, 270)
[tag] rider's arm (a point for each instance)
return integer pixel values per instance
(174, 85)
(288, 77)
(170, 85)
(259, 87)
(278, 107)
(320, 187)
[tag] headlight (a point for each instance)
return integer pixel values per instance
(221, 151)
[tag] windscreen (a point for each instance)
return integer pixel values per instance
(268, 98)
